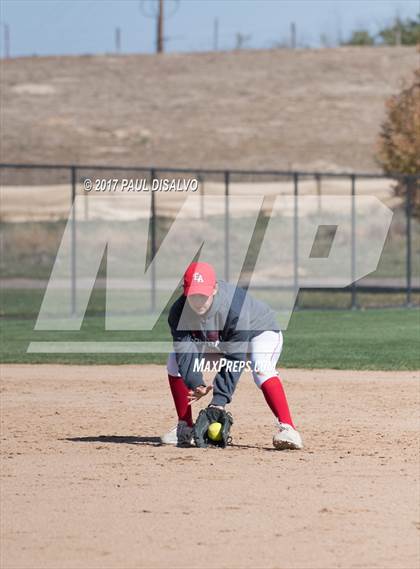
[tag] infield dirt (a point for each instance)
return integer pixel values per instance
(85, 483)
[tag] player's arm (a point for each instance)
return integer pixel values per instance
(187, 356)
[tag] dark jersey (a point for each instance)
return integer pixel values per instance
(234, 318)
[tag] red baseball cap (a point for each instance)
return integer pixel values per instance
(199, 278)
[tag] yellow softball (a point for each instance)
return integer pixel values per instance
(215, 431)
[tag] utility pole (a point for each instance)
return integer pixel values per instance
(216, 34)
(339, 33)
(6, 41)
(117, 40)
(156, 9)
(397, 31)
(293, 35)
(159, 34)
(241, 40)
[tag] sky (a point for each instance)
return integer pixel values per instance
(60, 27)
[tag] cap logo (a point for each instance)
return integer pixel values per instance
(198, 278)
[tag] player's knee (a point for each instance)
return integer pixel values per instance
(260, 375)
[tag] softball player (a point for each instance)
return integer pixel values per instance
(217, 321)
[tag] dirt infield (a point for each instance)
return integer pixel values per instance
(86, 485)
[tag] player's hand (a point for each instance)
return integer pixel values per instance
(198, 392)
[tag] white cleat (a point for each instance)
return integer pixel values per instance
(287, 438)
(180, 435)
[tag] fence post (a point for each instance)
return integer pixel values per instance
(353, 243)
(227, 226)
(73, 174)
(318, 191)
(201, 185)
(296, 239)
(407, 183)
(153, 242)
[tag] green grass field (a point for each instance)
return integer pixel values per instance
(385, 339)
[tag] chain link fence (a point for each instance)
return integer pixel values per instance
(37, 204)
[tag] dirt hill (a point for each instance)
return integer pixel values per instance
(312, 109)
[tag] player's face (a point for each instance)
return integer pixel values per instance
(201, 303)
